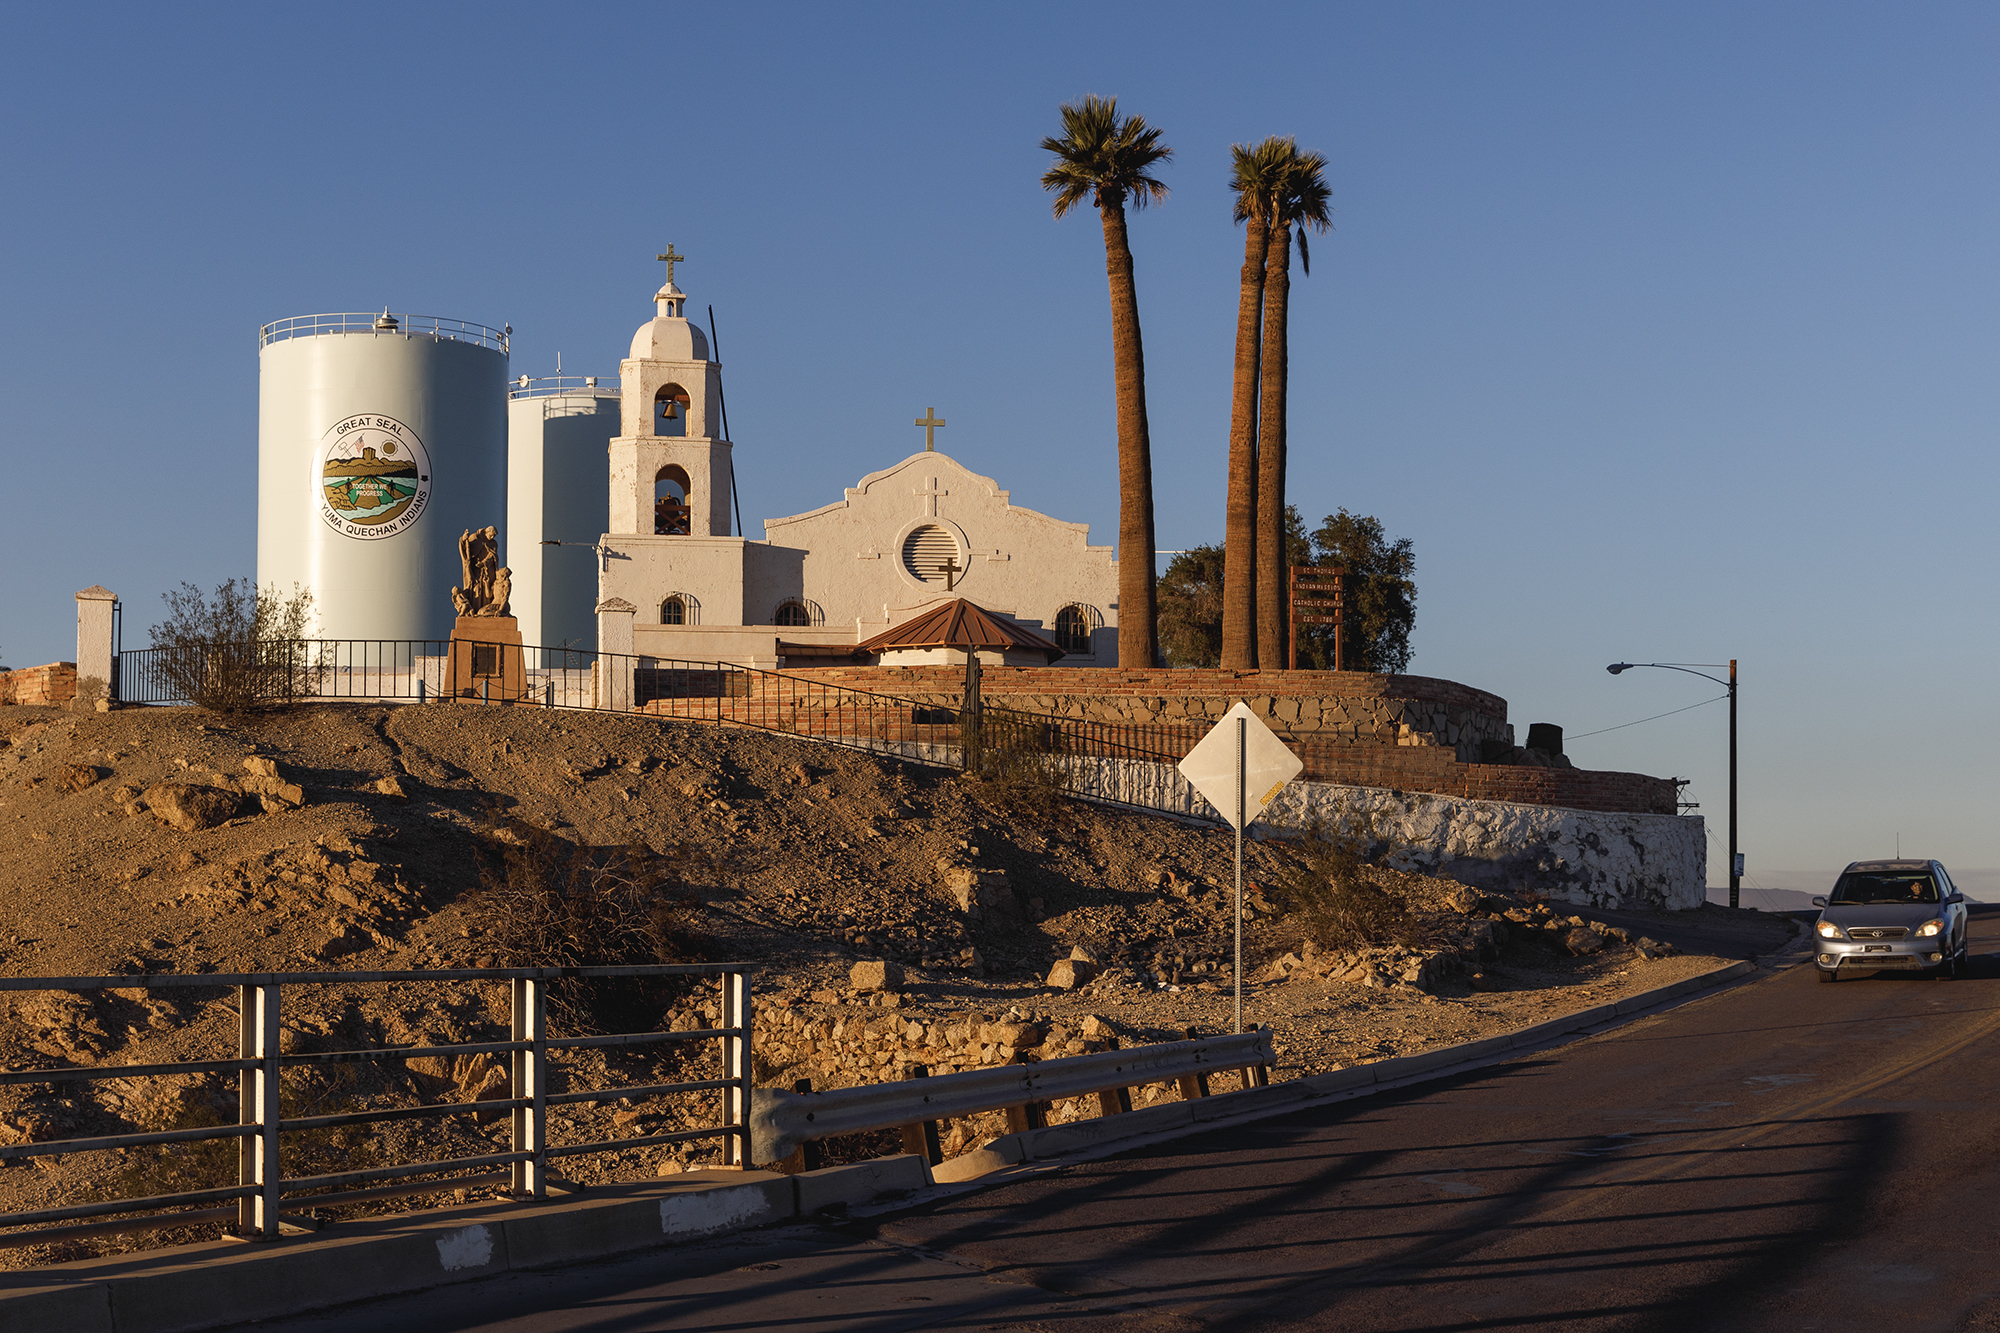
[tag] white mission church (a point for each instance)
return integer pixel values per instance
(905, 541)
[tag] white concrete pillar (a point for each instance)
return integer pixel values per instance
(93, 635)
(615, 661)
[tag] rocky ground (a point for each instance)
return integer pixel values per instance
(354, 837)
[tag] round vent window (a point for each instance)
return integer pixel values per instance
(931, 554)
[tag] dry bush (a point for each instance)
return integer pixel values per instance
(235, 649)
(555, 904)
(1344, 908)
(177, 1168)
(89, 689)
(1017, 759)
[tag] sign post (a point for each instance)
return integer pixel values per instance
(1319, 597)
(1239, 768)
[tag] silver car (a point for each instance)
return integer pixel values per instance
(1883, 915)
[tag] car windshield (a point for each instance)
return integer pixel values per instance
(1885, 886)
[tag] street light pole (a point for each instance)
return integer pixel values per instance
(1735, 858)
(1735, 862)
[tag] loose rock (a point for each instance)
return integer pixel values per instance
(191, 808)
(875, 974)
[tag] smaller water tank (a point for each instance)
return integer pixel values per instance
(558, 489)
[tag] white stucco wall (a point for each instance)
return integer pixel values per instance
(1018, 562)
(1588, 857)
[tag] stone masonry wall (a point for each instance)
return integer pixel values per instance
(1349, 706)
(54, 684)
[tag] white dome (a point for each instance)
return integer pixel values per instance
(669, 339)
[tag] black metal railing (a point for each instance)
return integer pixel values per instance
(263, 1188)
(947, 729)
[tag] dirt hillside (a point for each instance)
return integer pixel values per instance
(354, 836)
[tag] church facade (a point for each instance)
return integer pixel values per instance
(676, 583)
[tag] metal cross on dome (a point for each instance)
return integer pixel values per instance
(670, 259)
(930, 421)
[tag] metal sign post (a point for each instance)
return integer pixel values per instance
(1241, 723)
(1239, 768)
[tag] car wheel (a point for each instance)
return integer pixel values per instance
(1828, 974)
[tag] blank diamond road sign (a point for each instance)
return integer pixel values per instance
(1267, 765)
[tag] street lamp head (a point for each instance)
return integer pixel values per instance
(1617, 667)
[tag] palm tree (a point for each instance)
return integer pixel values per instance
(1252, 177)
(1108, 161)
(1299, 199)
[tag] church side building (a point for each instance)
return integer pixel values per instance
(676, 583)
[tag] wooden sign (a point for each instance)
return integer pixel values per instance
(1319, 597)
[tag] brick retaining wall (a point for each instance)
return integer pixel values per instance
(52, 684)
(1353, 706)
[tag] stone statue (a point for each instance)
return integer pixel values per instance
(486, 583)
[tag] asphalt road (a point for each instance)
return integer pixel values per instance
(1780, 1155)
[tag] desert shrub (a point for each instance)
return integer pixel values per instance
(553, 903)
(89, 689)
(1341, 906)
(236, 648)
(177, 1168)
(1017, 757)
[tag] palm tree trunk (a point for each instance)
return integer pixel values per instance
(1273, 603)
(1239, 547)
(1138, 609)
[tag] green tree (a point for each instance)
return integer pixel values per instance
(1254, 173)
(1109, 161)
(1191, 608)
(1299, 198)
(1381, 595)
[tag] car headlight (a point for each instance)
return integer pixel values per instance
(1932, 926)
(1830, 931)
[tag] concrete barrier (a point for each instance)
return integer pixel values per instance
(195, 1287)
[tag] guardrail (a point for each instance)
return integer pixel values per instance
(384, 322)
(545, 386)
(781, 1123)
(255, 1201)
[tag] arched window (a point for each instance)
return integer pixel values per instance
(798, 611)
(670, 410)
(930, 554)
(680, 608)
(1074, 625)
(673, 502)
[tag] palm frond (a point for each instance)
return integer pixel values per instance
(1302, 198)
(1256, 173)
(1102, 157)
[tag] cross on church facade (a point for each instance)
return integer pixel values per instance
(930, 421)
(670, 259)
(951, 569)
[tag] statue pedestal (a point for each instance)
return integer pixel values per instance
(486, 660)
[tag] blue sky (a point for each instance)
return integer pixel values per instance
(1666, 333)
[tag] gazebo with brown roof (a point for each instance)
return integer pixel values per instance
(960, 626)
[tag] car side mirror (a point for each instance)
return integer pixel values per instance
(1954, 898)
(1818, 901)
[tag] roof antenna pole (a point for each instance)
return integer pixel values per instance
(722, 400)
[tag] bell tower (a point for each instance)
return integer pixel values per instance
(670, 472)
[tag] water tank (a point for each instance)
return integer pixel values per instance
(380, 438)
(558, 489)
